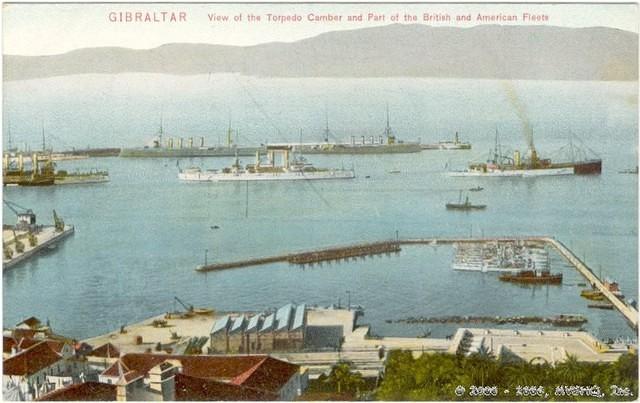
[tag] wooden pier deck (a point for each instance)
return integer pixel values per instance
(627, 311)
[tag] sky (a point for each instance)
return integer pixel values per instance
(46, 29)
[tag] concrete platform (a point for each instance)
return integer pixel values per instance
(47, 238)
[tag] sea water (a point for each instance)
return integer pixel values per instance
(140, 237)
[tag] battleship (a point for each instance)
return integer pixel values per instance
(387, 143)
(531, 165)
(296, 169)
(176, 148)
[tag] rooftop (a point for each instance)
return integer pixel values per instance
(253, 371)
(87, 391)
(31, 360)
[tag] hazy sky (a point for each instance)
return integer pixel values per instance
(40, 29)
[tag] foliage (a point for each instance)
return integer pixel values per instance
(436, 376)
(342, 383)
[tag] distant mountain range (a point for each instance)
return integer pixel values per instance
(487, 51)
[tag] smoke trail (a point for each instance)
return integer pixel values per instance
(521, 111)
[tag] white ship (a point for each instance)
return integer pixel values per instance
(296, 169)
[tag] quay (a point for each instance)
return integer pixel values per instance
(394, 246)
(317, 338)
(629, 312)
(311, 257)
(47, 238)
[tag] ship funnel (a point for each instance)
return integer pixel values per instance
(180, 142)
(202, 141)
(371, 138)
(363, 140)
(5, 161)
(190, 142)
(20, 162)
(380, 140)
(170, 142)
(516, 158)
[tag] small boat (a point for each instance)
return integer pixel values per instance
(394, 171)
(466, 206)
(600, 306)
(593, 295)
(476, 189)
(533, 277)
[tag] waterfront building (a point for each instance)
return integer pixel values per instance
(266, 332)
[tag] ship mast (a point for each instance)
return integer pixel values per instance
(387, 130)
(326, 129)
(43, 140)
(10, 143)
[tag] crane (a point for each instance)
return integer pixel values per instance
(26, 217)
(15, 206)
(189, 308)
(58, 222)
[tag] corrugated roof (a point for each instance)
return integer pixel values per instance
(283, 316)
(221, 324)
(237, 324)
(268, 323)
(253, 322)
(298, 319)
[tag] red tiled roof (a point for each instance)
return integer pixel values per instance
(88, 391)
(8, 343)
(31, 360)
(197, 389)
(257, 372)
(107, 350)
(27, 342)
(270, 374)
(199, 366)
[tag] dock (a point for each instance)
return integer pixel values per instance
(337, 253)
(47, 237)
(627, 311)
(312, 256)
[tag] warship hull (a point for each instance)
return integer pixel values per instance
(189, 152)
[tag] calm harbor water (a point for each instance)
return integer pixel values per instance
(139, 237)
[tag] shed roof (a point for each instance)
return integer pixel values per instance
(253, 323)
(283, 317)
(236, 326)
(268, 323)
(221, 324)
(298, 319)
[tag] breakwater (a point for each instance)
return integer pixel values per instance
(558, 320)
(312, 256)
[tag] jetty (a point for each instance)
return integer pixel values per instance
(627, 311)
(311, 257)
(394, 246)
(47, 238)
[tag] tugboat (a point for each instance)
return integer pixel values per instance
(296, 169)
(466, 206)
(476, 189)
(533, 277)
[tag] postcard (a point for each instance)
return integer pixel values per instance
(320, 201)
